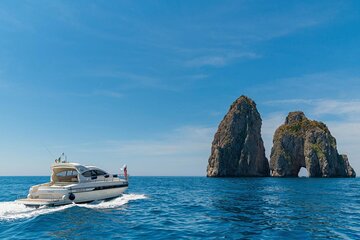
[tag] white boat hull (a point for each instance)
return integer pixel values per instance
(75, 183)
(83, 197)
(80, 197)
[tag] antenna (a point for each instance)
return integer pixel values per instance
(48, 151)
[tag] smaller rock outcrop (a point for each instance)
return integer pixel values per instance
(301, 142)
(238, 149)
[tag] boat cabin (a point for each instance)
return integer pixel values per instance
(68, 173)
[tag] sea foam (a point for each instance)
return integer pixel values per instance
(14, 210)
(115, 203)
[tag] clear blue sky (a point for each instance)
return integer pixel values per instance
(147, 82)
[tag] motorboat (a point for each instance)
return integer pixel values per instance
(76, 183)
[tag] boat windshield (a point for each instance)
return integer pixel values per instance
(64, 175)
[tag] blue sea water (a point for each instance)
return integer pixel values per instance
(193, 208)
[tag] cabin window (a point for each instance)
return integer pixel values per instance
(67, 173)
(87, 174)
(100, 173)
(94, 173)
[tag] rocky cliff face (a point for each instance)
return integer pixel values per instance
(301, 142)
(238, 149)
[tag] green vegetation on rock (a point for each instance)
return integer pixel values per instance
(297, 140)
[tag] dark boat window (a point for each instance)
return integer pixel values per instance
(87, 174)
(100, 173)
(94, 173)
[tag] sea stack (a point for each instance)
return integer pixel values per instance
(238, 149)
(301, 142)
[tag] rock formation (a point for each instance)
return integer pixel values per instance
(238, 149)
(301, 142)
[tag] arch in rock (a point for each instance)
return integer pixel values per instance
(303, 143)
(303, 172)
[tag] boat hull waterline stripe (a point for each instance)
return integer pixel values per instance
(78, 190)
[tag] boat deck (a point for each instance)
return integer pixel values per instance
(38, 202)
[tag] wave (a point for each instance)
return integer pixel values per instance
(115, 203)
(14, 210)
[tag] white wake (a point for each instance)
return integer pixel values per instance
(115, 203)
(14, 211)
